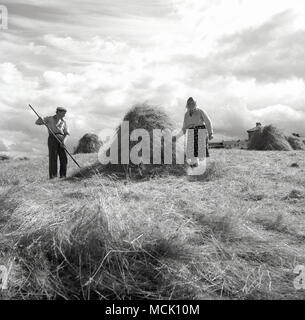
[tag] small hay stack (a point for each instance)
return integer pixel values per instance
(89, 143)
(269, 138)
(296, 143)
(141, 116)
(4, 157)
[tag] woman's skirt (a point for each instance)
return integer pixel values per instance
(196, 143)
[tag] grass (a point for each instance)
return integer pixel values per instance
(237, 233)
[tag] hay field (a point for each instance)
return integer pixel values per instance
(236, 234)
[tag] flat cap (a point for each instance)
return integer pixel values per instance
(60, 109)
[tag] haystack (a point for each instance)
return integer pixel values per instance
(89, 143)
(269, 138)
(296, 143)
(4, 157)
(145, 117)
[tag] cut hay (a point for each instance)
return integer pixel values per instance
(296, 143)
(22, 158)
(295, 194)
(269, 138)
(145, 117)
(89, 143)
(214, 170)
(295, 165)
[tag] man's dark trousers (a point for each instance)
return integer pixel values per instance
(55, 151)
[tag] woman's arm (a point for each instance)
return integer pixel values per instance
(208, 124)
(179, 135)
(182, 131)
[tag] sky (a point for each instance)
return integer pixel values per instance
(241, 60)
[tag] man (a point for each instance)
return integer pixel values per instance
(59, 127)
(196, 119)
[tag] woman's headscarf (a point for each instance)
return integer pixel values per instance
(191, 101)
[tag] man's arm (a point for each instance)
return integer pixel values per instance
(66, 134)
(39, 121)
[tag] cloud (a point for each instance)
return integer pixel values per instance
(285, 117)
(3, 147)
(234, 121)
(242, 60)
(24, 147)
(14, 86)
(271, 52)
(268, 53)
(35, 12)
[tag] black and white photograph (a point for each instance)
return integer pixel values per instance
(152, 150)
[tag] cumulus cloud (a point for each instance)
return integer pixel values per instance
(3, 147)
(285, 117)
(242, 60)
(269, 53)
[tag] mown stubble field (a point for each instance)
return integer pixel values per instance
(237, 234)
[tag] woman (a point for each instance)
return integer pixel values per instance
(199, 121)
